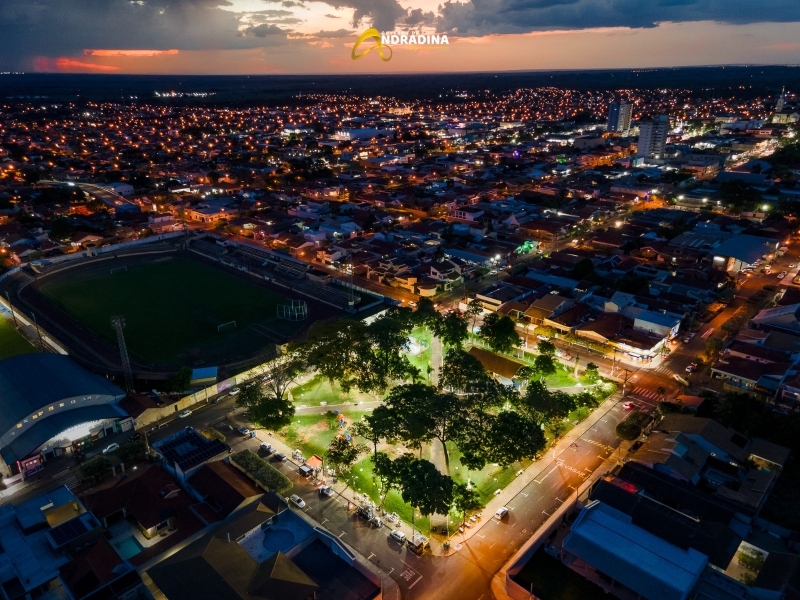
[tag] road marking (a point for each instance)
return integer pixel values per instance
(341, 534)
(524, 494)
(416, 582)
(545, 512)
(324, 521)
(60, 474)
(560, 500)
(603, 446)
(707, 333)
(370, 556)
(481, 536)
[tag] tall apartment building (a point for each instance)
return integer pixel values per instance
(653, 137)
(619, 117)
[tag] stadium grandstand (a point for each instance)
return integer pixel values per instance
(51, 406)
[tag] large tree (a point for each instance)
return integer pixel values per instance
(421, 413)
(465, 499)
(343, 454)
(544, 365)
(268, 411)
(332, 349)
(451, 329)
(544, 406)
(474, 310)
(499, 333)
(512, 437)
(425, 488)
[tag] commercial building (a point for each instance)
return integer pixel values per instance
(653, 138)
(619, 117)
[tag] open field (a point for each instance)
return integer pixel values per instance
(318, 389)
(12, 342)
(172, 309)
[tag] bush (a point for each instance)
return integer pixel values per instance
(131, 451)
(212, 434)
(262, 471)
(628, 430)
(96, 469)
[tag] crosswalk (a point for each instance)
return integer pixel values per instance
(605, 447)
(664, 370)
(645, 393)
(72, 482)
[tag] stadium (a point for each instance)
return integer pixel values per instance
(50, 406)
(176, 307)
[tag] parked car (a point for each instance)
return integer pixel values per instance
(218, 399)
(501, 513)
(234, 391)
(567, 356)
(243, 430)
(398, 536)
(544, 338)
(266, 448)
(691, 368)
(184, 414)
(793, 266)
(782, 274)
(135, 436)
(628, 406)
(326, 491)
(111, 448)
(279, 456)
(297, 501)
(376, 522)
(689, 337)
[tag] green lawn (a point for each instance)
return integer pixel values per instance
(12, 342)
(318, 389)
(422, 337)
(172, 310)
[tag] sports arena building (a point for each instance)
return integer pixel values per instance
(51, 406)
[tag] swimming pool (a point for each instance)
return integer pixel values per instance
(128, 547)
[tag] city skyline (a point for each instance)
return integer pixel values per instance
(260, 37)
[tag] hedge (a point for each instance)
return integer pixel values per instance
(262, 472)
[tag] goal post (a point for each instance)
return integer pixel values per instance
(118, 270)
(226, 326)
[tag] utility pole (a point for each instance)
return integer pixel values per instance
(38, 332)
(119, 322)
(13, 314)
(625, 382)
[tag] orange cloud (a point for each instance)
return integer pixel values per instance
(68, 64)
(129, 53)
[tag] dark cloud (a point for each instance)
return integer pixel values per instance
(52, 28)
(271, 14)
(418, 17)
(382, 14)
(333, 17)
(482, 17)
(292, 4)
(338, 33)
(265, 30)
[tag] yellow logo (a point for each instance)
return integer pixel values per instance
(374, 34)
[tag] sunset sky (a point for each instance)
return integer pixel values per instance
(299, 36)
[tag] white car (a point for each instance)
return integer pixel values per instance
(184, 414)
(234, 391)
(111, 448)
(782, 274)
(297, 501)
(501, 513)
(398, 536)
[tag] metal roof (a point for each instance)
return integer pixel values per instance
(30, 382)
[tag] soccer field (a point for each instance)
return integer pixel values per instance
(172, 309)
(12, 342)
